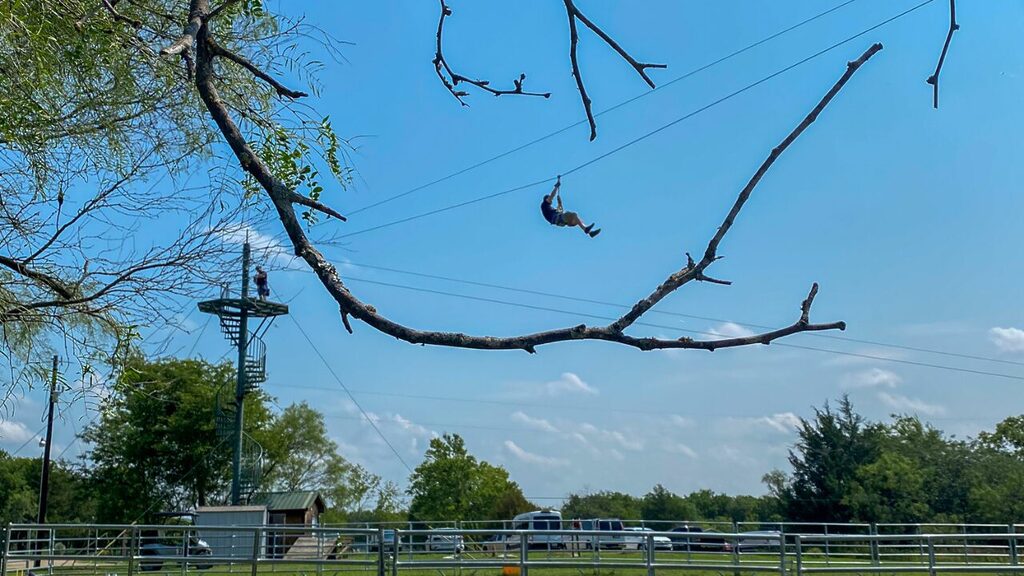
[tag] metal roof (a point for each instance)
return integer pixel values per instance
(292, 500)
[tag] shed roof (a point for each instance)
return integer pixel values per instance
(290, 500)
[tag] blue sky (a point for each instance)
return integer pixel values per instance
(907, 216)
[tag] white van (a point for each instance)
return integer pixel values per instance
(541, 520)
(611, 541)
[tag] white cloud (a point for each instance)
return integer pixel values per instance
(531, 458)
(731, 330)
(569, 383)
(412, 427)
(1007, 339)
(682, 421)
(266, 250)
(534, 423)
(612, 437)
(784, 422)
(871, 378)
(680, 448)
(898, 402)
(14, 432)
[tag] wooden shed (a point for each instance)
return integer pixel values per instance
(293, 508)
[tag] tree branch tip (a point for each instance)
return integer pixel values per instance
(344, 320)
(530, 349)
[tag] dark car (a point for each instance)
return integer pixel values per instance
(177, 540)
(691, 539)
(152, 543)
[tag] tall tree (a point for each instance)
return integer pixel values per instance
(301, 456)
(155, 446)
(830, 449)
(451, 484)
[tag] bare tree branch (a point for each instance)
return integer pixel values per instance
(188, 37)
(640, 67)
(934, 78)
(283, 200)
(451, 79)
(574, 14)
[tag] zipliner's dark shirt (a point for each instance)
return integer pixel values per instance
(552, 215)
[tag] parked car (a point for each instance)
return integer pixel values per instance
(500, 543)
(639, 540)
(177, 540)
(446, 542)
(692, 539)
(765, 540)
(389, 542)
(158, 543)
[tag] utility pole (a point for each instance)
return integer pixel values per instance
(240, 385)
(44, 480)
(44, 476)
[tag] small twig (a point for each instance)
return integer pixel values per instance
(934, 78)
(451, 79)
(297, 198)
(120, 17)
(218, 50)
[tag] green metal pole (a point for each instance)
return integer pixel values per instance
(243, 340)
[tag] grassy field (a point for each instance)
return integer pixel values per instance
(612, 563)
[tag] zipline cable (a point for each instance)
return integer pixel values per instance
(647, 135)
(644, 94)
(350, 395)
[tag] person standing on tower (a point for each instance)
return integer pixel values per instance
(262, 286)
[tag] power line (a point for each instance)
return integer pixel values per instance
(26, 443)
(549, 406)
(350, 396)
(678, 329)
(662, 86)
(680, 314)
(643, 137)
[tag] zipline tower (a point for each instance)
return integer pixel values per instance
(234, 315)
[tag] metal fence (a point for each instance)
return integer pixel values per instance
(109, 550)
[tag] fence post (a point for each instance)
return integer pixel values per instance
(380, 550)
(828, 555)
(931, 556)
(649, 554)
(7, 550)
(782, 555)
(799, 555)
(524, 546)
(1011, 530)
(875, 555)
(133, 544)
(256, 545)
(395, 558)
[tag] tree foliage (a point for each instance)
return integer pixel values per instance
(71, 499)
(451, 484)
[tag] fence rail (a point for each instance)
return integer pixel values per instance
(166, 550)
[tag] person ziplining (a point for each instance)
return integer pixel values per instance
(559, 217)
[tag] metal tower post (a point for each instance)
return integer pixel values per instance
(240, 386)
